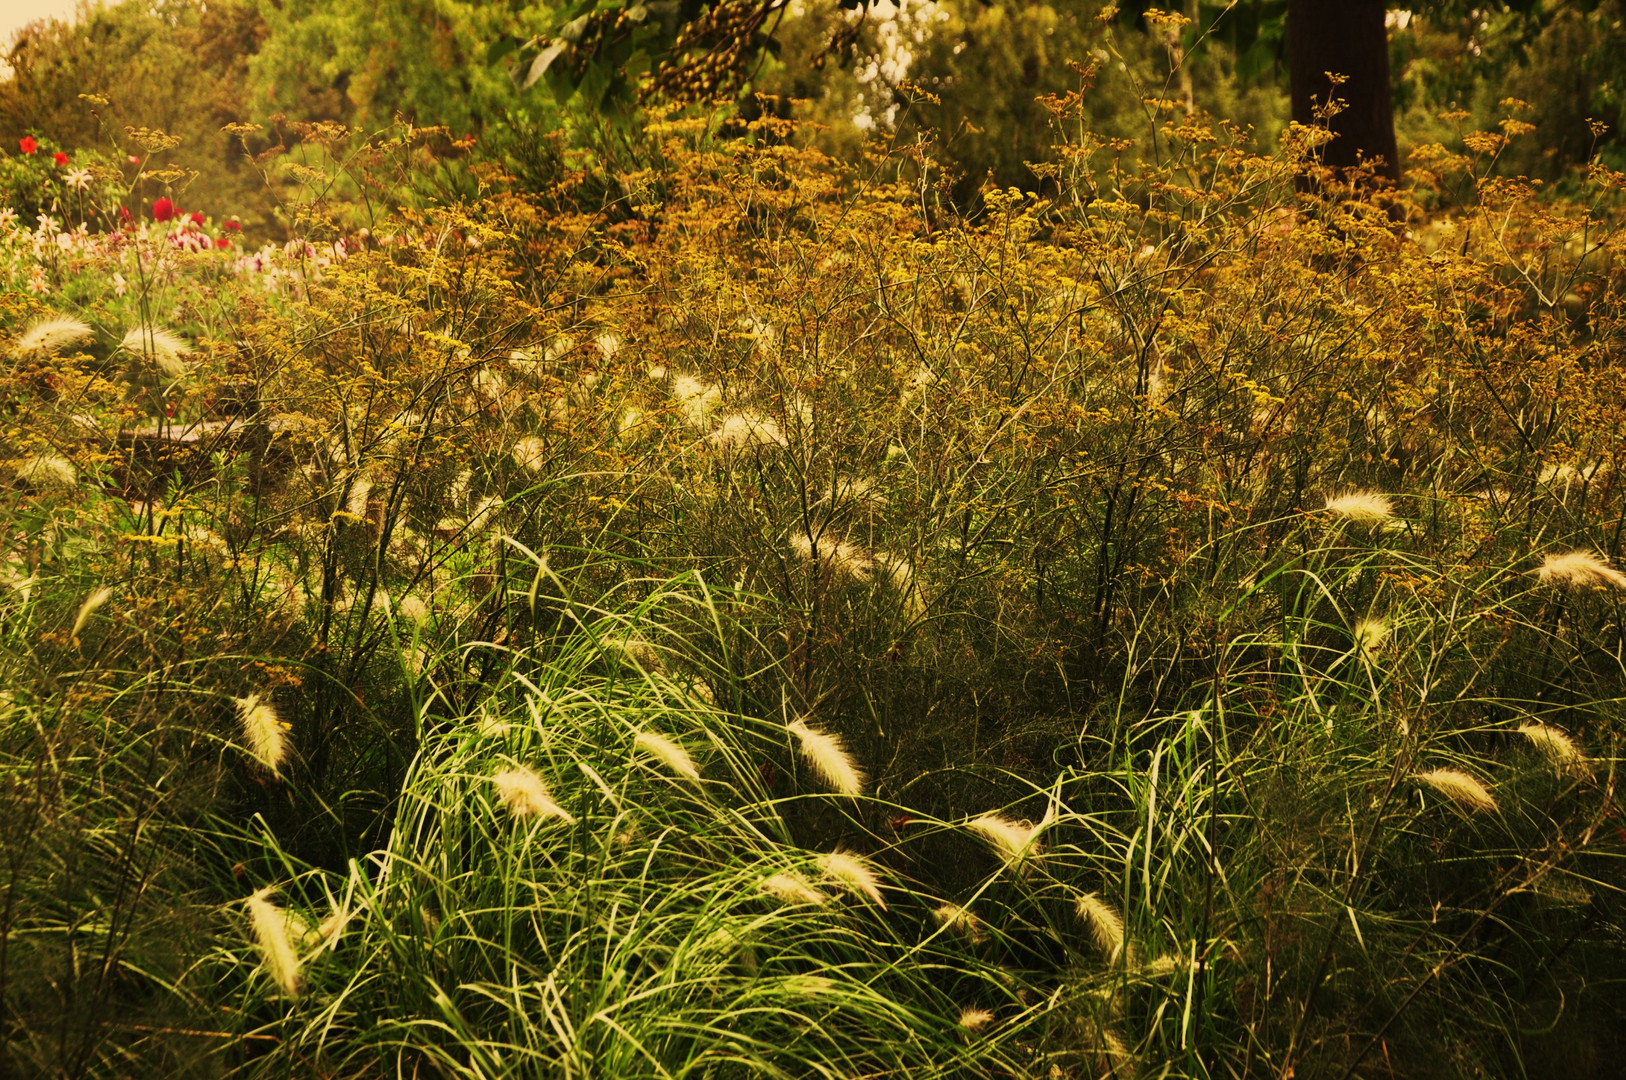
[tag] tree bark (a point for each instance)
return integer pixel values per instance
(1350, 38)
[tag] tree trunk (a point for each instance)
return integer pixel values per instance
(1350, 38)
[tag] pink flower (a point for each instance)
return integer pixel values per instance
(27, 144)
(60, 157)
(163, 210)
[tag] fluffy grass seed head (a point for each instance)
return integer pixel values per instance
(975, 1019)
(1370, 635)
(531, 453)
(264, 732)
(854, 872)
(1014, 840)
(958, 918)
(1362, 506)
(95, 600)
(163, 348)
(1556, 746)
(789, 888)
(48, 337)
(842, 558)
(1460, 788)
(1106, 926)
(272, 935)
(829, 758)
(525, 795)
(48, 470)
(695, 399)
(1579, 568)
(669, 753)
(741, 431)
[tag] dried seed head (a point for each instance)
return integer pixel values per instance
(1012, 839)
(525, 795)
(531, 453)
(854, 872)
(263, 731)
(789, 888)
(829, 759)
(1555, 745)
(958, 918)
(48, 470)
(1106, 926)
(48, 337)
(695, 399)
(1579, 568)
(671, 755)
(271, 934)
(1460, 788)
(167, 351)
(746, 429)
(91, 603)
(1363, 506)
(1370, 634)
(847, 560)
(975, 1019)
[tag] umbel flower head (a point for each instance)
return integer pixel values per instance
(829, 759)
(1579, 568)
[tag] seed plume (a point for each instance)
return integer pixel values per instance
(975, 1019)
(1460, 788)
(1363, 506)
(789, 888)
(525, 795)
(48, 337)
(48, 470)
(163, 348)
(1579, 568)
(263, 731)
(1012, 839)
(855, 873)
(671, 755)
(95, 600)
(270, 926)
(1556, 746)
(1106, 926)
(829, 759)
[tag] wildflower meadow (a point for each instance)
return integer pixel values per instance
(732, 611)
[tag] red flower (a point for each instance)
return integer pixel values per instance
(27, 144)
(222, 242)
(124, 214)
(233, 226)
(197, 217)
(163, 210)
(60, 157)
